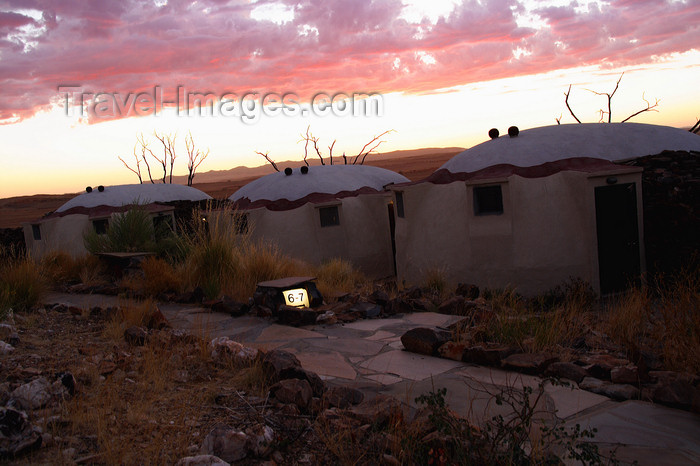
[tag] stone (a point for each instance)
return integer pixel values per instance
(378, 411)
(398, 305)
(230, 306)
(530, 363)
(6, 330)
(600, 365)
(453, 350)
(295, 316)
(278, 364)
(677, 393)
(413, 292)
(326, 318)
(135, 336)
(566, 370)
(424, 340)
(6, 348)
(620, 392)
(260, 439)
(157, 320)
(628, 374)
(379, 297)
(365, 309)
(467, 290)
(33, 395)
(17, 435)
(202, 460)
(488, 354)
(295, 391)
(222, 349)
(456, 306)
(342, 397)
(226, 443)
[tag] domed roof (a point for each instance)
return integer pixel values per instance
(614, 142)
(324, 179)
(120, 195)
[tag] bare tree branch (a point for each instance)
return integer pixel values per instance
(696, 127)
(310, 137)
(330, 151)
(345, 159)
(274, 165)
(144, 147)
(609, 96)
(558, 119)
(566, 101)
(138, 165)
(195, 158)
(364, 152)
(650, 108)
(169, 155)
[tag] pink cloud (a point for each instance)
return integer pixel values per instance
(333, 45)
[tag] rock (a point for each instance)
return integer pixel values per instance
(6, 348)
(453, 350)
(293, 391)
(379, 297)
(67, 381)
(616, 391)
(600, 365)
(230, 306)
(157, 320)
(226, 443)
(467, 290)
(202, 460)
(342, 397)
(17, 435)
(260, 439)
(224, 350)
(295, 316)
(278, 364)
(378, 411)
(412, 293)
(6, 330)
(566, 370)
(327, 318)
(398, 305)
(136, 336)
(456, 306)
(33, 395)
(365, 309)
(677, 393)
(424, 340)
(530, 363)
(489, 354)
(625, 374)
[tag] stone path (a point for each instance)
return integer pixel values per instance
(368, 355)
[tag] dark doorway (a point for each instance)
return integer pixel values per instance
(392, 230)
(618, 236)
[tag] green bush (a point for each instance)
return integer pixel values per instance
(131, 231)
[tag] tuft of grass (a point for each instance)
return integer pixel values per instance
(159, 276)
(60, 267)
(130, 231)
(435, 281)
(338, 276)
(22, 285)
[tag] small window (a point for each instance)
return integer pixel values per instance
(163, 226)
(488, 200)
(329, 216)
(36, 232)
(399, 204)
(240, 223)
(100, 226)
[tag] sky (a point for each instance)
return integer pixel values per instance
(81, 80)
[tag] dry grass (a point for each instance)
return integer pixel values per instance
(159, 276)
(22, 284)
(435, 281)
(338, 276)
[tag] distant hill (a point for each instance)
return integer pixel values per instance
(414, 164)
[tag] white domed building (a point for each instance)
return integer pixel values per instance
(534, 210)
(322, 212)
(63, 229)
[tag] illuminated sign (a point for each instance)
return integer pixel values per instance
(297, 297)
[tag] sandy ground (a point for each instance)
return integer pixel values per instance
(414, 165)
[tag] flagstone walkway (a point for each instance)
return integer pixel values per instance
(368, 355)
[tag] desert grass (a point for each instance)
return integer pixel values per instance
(436, 282)
(159, 276)
(22, 285)
(337, 276)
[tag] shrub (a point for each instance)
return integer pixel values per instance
(130, 231)
(60, 267)
(21, 284)
(337, 276)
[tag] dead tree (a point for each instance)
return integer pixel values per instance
(169, 153)
(195, 157)
(609, 95)
(364, 152)
(696, 127)
(138, 165)
(140, 140)
(308, 137)
(274, 165)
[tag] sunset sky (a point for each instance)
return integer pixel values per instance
(442, 73)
